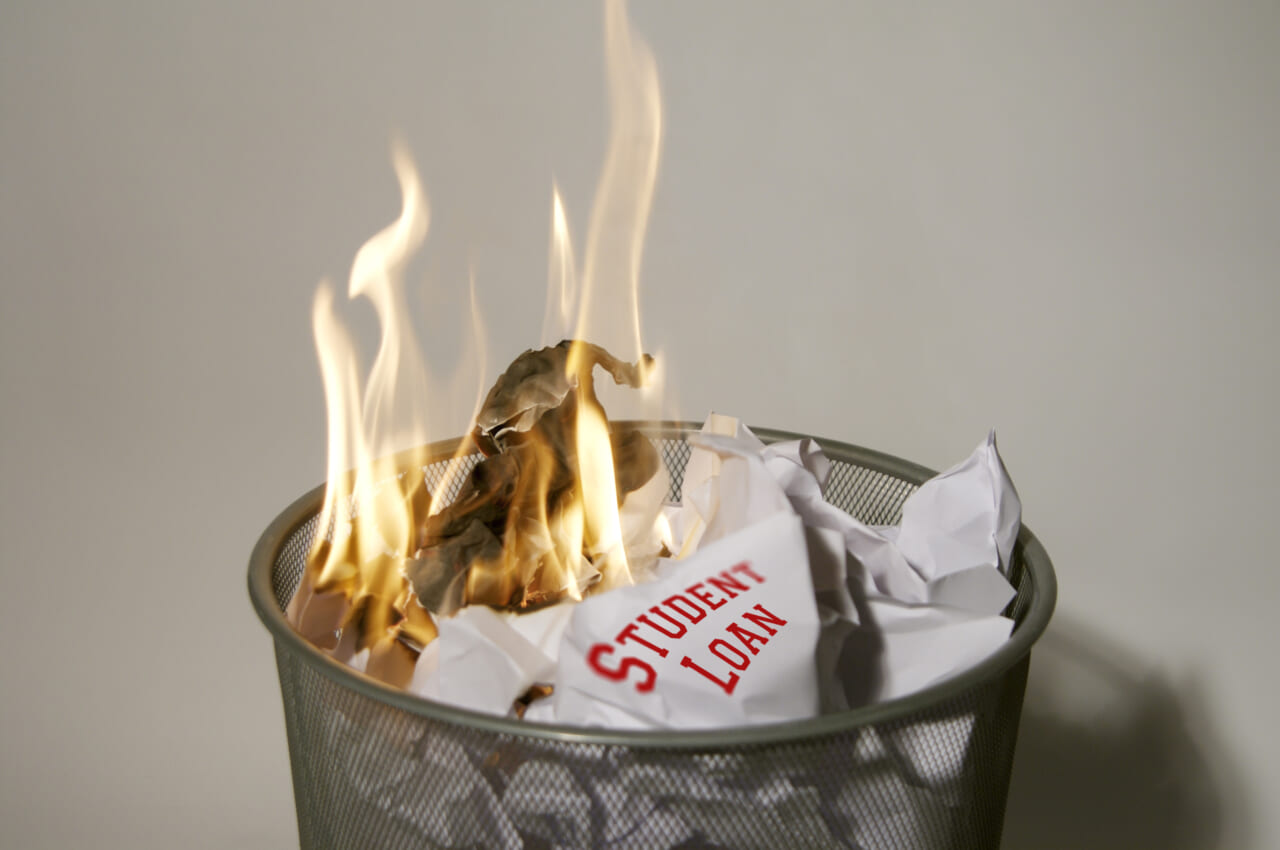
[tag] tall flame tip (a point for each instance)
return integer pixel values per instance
(374, 511)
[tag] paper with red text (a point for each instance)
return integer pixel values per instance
(726, 638)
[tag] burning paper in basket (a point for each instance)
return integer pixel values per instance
(541, 572)
(767, 603)
(544, 573)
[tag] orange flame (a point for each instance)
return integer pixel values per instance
(558, 541)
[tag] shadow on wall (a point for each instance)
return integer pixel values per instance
(1110, 757)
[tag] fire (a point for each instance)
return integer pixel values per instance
(570, 518)
(603, 527)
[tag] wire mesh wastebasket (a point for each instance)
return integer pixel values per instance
(375, 767)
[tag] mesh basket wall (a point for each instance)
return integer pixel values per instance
(370, 774)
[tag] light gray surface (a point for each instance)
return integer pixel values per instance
(891, 226)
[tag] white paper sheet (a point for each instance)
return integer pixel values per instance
(715, 643)
(482, 662)
(901, 648)
(701, 488)
(959, 528)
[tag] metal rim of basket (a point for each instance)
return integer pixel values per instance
(1035, 561)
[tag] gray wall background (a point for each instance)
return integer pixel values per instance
(891, 224)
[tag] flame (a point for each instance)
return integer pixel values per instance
(560, 539)
(459, 464)
(599, 489)
(337, 357)
(367, 521)
(624, 195)
(611, 267)
(562, 277)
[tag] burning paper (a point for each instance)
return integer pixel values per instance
(758, 601)
(553, 511)
(531, 524)
(676, 651)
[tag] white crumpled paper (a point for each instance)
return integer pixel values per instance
(870, 612)
(935, 608)
(484, 660)
(713, 643)
(777, 605)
